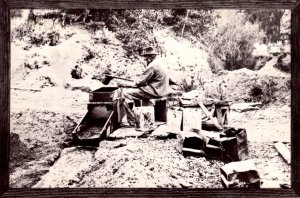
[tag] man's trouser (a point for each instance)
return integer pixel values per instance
(131, 94)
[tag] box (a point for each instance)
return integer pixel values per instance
(230, 146)
(235, 144)
(242, 174)
(104, 94)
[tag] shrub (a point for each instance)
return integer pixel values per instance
(231, 39)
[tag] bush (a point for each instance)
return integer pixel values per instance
(231, 39)
(22, 31)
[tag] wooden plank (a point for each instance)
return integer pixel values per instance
(283, 151)
(295, 98)
(142, 192)
(215, 121)
(174, 121)
(134, 4)
(4, 96)
(192, 119)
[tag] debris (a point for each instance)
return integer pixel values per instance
(242, 174)
(284, 152)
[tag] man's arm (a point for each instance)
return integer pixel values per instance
(146, 76)
(141, 82)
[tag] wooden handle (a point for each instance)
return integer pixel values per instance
(209, 115)
(120, 78)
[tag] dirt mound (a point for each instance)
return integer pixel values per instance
(151, 163)
(246, 85)
(18, 151)
(132, 163)
(36, 143)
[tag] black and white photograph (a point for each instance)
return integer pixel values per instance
(149, 98)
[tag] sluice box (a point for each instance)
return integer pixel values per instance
(104, 94)
(102, 118)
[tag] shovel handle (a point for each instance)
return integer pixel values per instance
(119, 78)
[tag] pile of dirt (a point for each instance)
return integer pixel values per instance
(36, 141)
(133, 163)
(245, 85)
(152, 163)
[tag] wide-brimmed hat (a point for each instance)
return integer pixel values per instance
(148, 51)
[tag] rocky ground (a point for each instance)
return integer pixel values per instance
(39, 157)
(47, 104)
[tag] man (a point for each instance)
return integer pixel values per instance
(153, 83)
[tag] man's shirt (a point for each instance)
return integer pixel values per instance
(154, 80)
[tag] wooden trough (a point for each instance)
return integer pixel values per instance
(105, 112)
